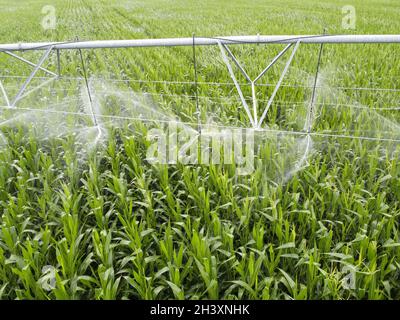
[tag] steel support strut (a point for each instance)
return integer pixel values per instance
(271, 99)
(4, 94)
(29, 79)
(29, 62)
(226, 60)
(58, 63)
(253, 118)
(311, 106)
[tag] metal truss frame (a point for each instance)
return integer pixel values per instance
(253, 118)
(11, 102)
(291, 41)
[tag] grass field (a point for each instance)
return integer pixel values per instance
(86, 220)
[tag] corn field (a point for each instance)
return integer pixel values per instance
(85, 215)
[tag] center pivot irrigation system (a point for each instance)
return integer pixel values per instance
(292, 44)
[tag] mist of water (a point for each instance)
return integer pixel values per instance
(103, 106)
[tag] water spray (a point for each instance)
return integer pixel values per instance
(91, 108)
(297, 143)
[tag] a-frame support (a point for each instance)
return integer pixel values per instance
(255, 122)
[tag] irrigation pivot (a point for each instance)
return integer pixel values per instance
(292, 45)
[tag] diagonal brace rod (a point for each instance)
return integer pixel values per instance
(253, 90)
(4, 94)
(271, 99)
(29, 62)
(246, 107)
(236, 62)
(310, 111)
(273, 61)
(29, 79)
(43, 84)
